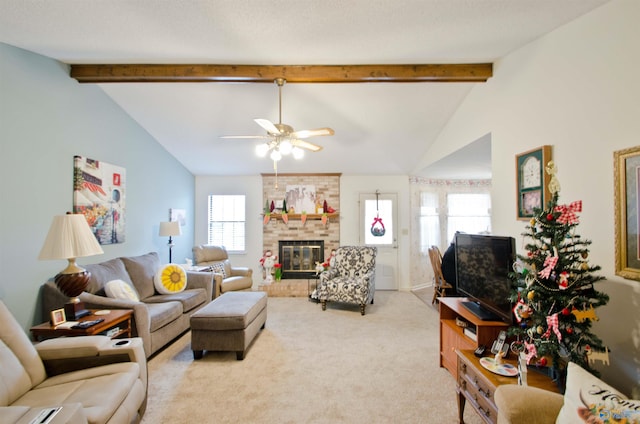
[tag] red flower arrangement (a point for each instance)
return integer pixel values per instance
(278, 271)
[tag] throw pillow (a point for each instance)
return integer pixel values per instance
(170, 278)
(118, 289)
(219, 269)
(589, 399)
(142, 269)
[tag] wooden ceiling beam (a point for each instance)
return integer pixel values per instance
(472, 72)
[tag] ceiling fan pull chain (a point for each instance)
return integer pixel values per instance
(275, 168)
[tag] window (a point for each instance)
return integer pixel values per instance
(227, 222)
(442, 214)
(380, 212)
(469, 213)
(429, 221)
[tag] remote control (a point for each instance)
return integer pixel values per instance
(479, 351)
(86, 324)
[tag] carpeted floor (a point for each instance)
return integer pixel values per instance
(314, 366)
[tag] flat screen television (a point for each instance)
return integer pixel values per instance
(483, 263)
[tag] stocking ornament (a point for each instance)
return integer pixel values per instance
(531, 351)
(552, 324)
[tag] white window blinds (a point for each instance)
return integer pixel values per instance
(227, 222)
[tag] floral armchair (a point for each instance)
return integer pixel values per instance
(351, 279)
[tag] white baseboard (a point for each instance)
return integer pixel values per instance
(421, 286)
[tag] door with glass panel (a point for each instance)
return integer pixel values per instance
(378, 227)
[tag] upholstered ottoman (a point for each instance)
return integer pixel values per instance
(229, 323)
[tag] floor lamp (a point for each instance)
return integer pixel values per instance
(70, 237)
(170, 229)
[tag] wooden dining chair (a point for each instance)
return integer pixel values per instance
(440, 285)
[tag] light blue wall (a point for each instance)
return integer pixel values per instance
(45, 119)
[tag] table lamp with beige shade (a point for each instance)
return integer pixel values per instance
(70, 237)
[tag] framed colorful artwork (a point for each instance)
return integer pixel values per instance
(99, 194)
(532, 182)
(626, 165)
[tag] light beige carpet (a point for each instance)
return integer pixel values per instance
(314, 366)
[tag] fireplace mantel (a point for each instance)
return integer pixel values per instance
(297, 216)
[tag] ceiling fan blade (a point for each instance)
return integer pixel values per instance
(268, 125)
(313, 133)
(245, 136)
(306, 145)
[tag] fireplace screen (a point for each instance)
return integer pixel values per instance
(299, 258)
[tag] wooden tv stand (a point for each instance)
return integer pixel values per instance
(452, 336)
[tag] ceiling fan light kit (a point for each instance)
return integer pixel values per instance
(275, 155)
(262, 149)
(285, 147)
(297, 153)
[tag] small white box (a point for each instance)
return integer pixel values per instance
(522, 369)
(471, 334)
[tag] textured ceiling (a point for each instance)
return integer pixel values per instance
(380, 128)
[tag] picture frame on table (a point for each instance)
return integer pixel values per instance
(58, 317)
(626, 165)
(532, 181)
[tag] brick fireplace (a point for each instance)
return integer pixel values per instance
(327, 187)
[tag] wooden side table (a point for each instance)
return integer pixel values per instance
(118, 320)
(478, 385)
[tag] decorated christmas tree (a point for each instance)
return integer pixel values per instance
(555, 300)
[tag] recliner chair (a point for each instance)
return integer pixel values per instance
(226, 277)
(93, 378)
(351, 279)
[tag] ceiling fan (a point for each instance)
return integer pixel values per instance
(282, 139)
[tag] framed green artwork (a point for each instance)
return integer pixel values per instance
(532, 182)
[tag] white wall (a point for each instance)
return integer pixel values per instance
(576, 89)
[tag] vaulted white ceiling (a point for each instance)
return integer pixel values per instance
(380, 128)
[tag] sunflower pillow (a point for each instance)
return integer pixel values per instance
(170, 278)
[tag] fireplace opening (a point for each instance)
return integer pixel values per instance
(299, 257)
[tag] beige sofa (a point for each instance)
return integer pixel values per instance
(158, 318)
(525, 404)
(92, 378)
(586, 399)
(227, 278)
